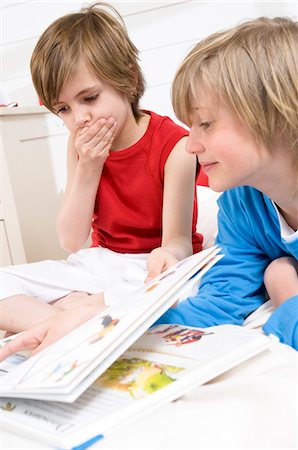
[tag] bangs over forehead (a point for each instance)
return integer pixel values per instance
(96, 37)
(252, 69)
(196, 79)
(59, 54)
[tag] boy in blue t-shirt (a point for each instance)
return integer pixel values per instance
(237, 90)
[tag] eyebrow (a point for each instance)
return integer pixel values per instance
(86, 90)
(82, 92)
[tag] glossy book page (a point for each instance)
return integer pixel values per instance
(166, 362)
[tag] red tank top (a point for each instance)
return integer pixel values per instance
(128, 207)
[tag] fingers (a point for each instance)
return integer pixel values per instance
(49, 338)
(28, 340)
(66, 321)
(158, 261)
(105, 135)
(95, 141)
(35, 339)
(155, 266)
(47, 332)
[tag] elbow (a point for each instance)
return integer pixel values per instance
(69, 240)
(70, 245)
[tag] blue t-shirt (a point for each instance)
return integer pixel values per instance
(250, 238)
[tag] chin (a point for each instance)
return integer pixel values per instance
(218, 186)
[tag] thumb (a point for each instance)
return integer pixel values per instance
(150, 276)
(154, 266)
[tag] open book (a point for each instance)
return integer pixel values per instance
(161, 366)
(65, 369)
(104, 373)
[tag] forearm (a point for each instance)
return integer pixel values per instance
(19, 313)
(75, 217)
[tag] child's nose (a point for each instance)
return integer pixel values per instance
(82, 118)
(194, 144)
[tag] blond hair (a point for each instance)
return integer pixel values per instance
(97, 36)
(252, 68)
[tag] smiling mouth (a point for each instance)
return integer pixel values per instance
(206, 167)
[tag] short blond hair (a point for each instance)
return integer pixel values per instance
(97, 36)
(252, 68)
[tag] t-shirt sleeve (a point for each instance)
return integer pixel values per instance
(283, 322)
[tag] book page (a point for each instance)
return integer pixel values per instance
(162, 365)
(132, 377)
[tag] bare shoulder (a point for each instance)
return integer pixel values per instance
(179, 158)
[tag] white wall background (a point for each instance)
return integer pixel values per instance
(164, 31)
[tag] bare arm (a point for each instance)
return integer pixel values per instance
(178, 198)
(20, 312)
(50, 330)
(88, 150)
(281, 280)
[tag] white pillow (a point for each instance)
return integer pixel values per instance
(207, 214)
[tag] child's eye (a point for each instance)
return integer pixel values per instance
(62, 110)
(205, 125)
(92, 98)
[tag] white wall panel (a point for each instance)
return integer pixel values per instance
(157, 98)
(163, 31)
(16, 58)
(193, 20)
(30, 18)
(160, 64)
(20, 90)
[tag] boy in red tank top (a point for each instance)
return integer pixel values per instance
(130, 181)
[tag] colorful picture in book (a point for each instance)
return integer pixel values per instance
(137, 376)
(183, 336)
(108, 323)
(179, 335)
(8, 407)
(161, 330)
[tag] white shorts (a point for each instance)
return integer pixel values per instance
(90, 270)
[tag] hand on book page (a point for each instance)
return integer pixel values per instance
(50, 330)
(88, 341)
(159, 260)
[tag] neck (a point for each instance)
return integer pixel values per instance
(278, 180)
(131, 133)
(286, 200)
